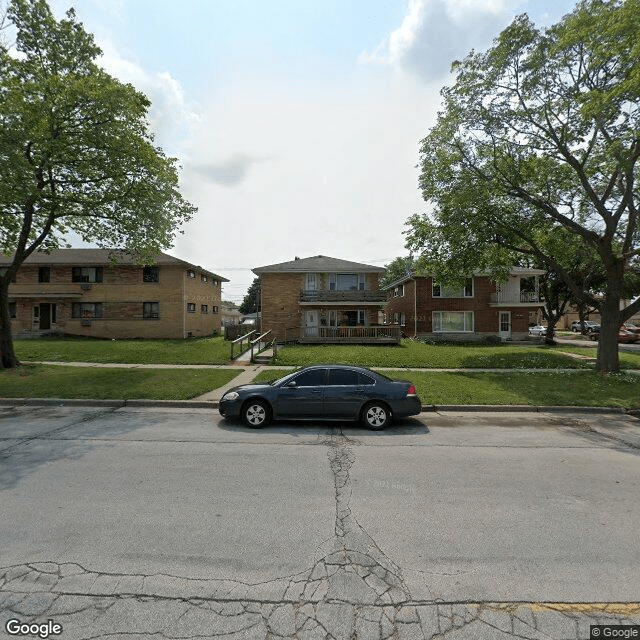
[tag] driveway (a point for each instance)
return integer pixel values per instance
(173, 523)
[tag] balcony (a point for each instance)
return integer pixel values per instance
(350, 335)
(356, 296)
(508, 297)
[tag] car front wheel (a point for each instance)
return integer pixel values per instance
(256, 414)
(376, 416)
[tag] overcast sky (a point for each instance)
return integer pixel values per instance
(297, 122)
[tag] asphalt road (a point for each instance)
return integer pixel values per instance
(173, 523)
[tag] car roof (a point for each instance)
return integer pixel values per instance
(336, 366)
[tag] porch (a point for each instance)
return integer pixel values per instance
(350, 335)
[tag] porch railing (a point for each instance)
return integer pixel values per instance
(388, 334)
(527, 297)
(357, 295)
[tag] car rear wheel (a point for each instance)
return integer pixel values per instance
(375, 416)
(256, 414)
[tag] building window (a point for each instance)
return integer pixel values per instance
(361, 317)
(398, 291)
(204, 278)
(214, 309)
(311, 282)
(191, 274)
(191, 307)
(215, 283)
(204, 308)
(452, 321)
(44, 274)
(442, 291)
(361, 281)
(86, 274)
(12, 310)
(86, 310)
(150, 310)
(151, 274)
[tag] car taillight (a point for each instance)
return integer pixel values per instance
(412, 391)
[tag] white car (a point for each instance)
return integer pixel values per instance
(538, 330)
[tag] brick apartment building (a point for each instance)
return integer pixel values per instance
(322, 299)
(84, 292)
(478, 309)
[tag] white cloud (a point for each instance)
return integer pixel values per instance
(172, 118)
(434, 33)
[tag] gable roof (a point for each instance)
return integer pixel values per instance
(318, 264)
(98, 257)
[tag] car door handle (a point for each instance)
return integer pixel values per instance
(315, 391)
(359, 389)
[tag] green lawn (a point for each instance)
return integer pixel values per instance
(191, 351)
(577, 388)
(53, 381)
(441, 356)
(628, 360)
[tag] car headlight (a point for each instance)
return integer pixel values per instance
(232, 395)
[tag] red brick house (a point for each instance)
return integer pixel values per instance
(322, 299)
(84, 292)
(476, 310)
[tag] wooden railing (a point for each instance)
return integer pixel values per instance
(527, 297)
(356, 295)
(257, 342)
(386, 334)
(240, 341)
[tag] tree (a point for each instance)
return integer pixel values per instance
(76, 153)
(251, 301)
(542, 132)
(396, 269)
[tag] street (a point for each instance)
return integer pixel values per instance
(174, 523)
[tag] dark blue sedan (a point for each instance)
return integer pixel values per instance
(323, 392)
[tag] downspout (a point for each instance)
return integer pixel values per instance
(415, 307)
(184, 306)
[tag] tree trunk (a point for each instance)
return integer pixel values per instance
(8, 358)
(550, 337)
(608, 360)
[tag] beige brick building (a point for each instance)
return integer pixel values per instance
(323, 299)
(104, 294)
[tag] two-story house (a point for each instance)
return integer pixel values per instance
(479, 308)
(104, 294)
(322, 299)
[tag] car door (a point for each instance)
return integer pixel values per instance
(302, 396)
(344, 394)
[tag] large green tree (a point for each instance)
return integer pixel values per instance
(398, 268)
(542, 132)
(251, 301)
(76, 152)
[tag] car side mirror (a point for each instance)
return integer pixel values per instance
(291, 384)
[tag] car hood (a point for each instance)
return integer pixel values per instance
(249, 387)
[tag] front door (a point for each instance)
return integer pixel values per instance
(311, 323)
(505, 325)
(45, 316)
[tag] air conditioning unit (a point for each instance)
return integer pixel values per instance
(85, 286)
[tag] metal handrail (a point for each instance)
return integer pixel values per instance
(257, 341)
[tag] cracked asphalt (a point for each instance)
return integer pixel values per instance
(174, 523)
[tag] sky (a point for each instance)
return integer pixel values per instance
(297, 123)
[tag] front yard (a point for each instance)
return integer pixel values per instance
(445, 356)
(575, 388)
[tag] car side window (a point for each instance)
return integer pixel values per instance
(342, 377)
(312, 378)
(364, 379)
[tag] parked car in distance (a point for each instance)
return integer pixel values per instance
(631, 326)
(323, 392)
(538, 330)
(623, 335)
(588, 325)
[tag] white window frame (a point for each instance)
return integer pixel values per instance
(468, 321)
(362, 281)
(311, 282)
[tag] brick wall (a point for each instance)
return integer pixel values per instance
(280, 300)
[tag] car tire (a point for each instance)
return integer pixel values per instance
(574, 329)
(256, 414)
(593, 337)
(375, 416)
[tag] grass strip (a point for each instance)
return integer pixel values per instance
(53, 381)
(576, 388)
(430, 356)
(63, 349)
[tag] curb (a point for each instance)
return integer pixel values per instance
(213, 404)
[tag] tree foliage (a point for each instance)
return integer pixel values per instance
(76, 152)
(398, 268)
(251, 301)
(538, 142)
